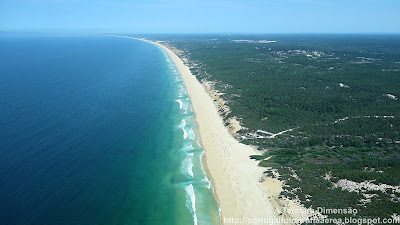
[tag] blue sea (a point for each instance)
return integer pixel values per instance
(97, 130)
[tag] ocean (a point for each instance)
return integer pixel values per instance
(97, 130)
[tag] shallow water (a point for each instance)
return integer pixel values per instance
(97, 130)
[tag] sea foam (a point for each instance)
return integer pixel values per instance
(182, 125)
(187, 165)
(208, 182)
(191, 134)
(204, 172)
(191, 201)
(180, 103)
(187, 148)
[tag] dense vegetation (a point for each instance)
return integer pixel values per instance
(337, 93)
(311, 165)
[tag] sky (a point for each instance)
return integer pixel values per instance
(201, 16)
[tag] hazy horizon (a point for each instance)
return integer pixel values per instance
(195, 16)
(76, 32)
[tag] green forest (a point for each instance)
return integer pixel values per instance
(336, 94)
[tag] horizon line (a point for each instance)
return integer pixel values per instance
(200, 33)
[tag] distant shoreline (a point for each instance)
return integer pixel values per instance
(244, 194)
(234, 175)
(228, 164)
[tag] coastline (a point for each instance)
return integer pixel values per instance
(243, 193)
(235, 177)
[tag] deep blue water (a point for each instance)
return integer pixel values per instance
(91, 133)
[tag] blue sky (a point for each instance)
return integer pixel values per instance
(210, 16)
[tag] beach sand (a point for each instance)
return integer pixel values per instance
(244, 194)
(236, 178)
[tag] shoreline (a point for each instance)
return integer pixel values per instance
(242, 192)
(235, 177)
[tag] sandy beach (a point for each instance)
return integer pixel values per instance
(244, 194)
(236, 178)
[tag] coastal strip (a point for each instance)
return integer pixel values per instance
(235, 177)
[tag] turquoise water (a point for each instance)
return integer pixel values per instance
(97, 130)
